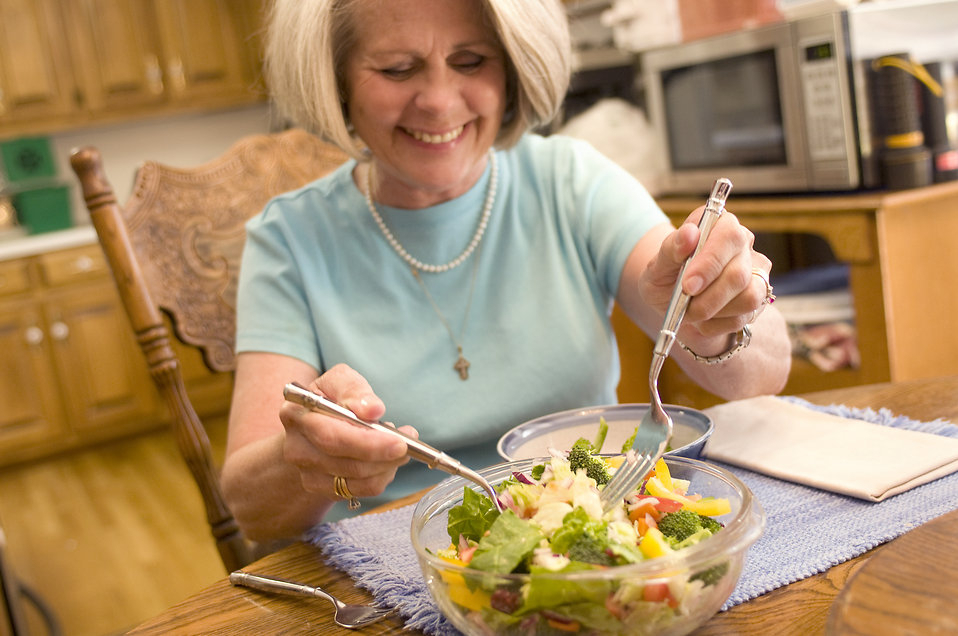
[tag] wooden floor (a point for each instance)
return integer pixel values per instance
(109, 537)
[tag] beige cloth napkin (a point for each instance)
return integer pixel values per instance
(848, 456)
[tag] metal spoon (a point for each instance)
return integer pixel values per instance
(416, 449)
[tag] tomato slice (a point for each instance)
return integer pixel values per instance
(668, 505)
(658, 592)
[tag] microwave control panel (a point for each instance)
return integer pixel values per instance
(823, 100)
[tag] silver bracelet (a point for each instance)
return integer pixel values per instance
(742, 340)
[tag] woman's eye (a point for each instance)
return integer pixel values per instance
(467, 62)
(397, 72)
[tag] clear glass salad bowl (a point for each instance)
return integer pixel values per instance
(671, 594)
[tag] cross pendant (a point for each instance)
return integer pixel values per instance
(462, 366)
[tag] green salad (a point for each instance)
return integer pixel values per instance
(553, 525)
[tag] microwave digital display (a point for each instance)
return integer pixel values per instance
(725, 112)
(819, 52)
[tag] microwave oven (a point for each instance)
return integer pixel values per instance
(785, 107)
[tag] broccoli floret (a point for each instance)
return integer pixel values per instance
(588, 550)
(712, 575)
(682, 524)
(581, 457)
(582, 539)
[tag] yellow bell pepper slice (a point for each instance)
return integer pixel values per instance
(712, 507)
(664, 475)
(475, 600)
(654, 544)
(459, 592)
(709, 507)
(614, 462)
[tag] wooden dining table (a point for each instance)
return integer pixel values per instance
(804, 607)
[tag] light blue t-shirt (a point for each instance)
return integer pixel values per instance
(319, 282)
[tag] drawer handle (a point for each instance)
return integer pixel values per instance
(33, 336)
(83, 264)
(60, 330)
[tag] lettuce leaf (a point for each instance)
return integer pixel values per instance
(545, 592)
(509, 541)
(472, 517)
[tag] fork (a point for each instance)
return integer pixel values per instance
(638, 463)
(348, 616)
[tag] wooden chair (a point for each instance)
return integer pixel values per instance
(12, 619)
(174, 249)
(14, 599)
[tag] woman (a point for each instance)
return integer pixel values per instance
(456, 276)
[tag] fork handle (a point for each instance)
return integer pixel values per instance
(679, 302)
(415, 448)
(277, 585)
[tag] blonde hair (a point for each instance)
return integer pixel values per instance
(307, 42)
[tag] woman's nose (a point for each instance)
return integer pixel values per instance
(439, 92)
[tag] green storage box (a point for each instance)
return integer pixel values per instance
(27, 158)
(44, 209)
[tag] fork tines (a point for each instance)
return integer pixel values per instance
(626, 479)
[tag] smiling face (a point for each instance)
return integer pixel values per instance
(426, 91)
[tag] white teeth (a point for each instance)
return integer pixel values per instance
(436, 139)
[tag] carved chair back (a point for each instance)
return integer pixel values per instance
(174, 249)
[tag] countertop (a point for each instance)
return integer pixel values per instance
(20, 246)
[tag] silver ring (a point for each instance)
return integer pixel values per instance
(342, 490)
(769, 296)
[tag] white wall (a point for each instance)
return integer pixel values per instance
(182, 141)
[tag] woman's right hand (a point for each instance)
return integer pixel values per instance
(322, 448)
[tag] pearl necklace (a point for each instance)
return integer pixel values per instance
(480, 230)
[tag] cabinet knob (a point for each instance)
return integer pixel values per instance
(83, 264)
(59, 330)
(33, 336)
(177, 75)
(154, 74)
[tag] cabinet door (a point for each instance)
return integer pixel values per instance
(35, 81)
(103, 376)
(204, 49)
(30, 412)
(117, 53)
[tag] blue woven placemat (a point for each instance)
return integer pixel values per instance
(807, 532)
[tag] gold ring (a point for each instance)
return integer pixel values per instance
(769, 296)
(342, 490)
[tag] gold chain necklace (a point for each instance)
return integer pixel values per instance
(415, 265)
(462, 364)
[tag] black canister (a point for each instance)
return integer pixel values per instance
(904, 158)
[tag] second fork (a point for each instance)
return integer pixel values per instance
(344, 615)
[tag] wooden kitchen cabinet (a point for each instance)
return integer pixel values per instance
(71, 373)
(31, 412)
(65, 63)
(35, 79)
(118, 61)
(134, 53)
